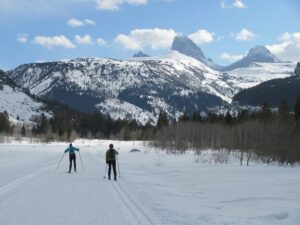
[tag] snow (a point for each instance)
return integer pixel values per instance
(123, 110)
(18, 104)
(154, 188)
(260, 72)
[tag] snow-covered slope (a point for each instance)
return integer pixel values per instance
(18, 104)
(174, 83)
(259, 72)
(258, 54)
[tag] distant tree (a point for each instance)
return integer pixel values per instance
(228, 118)
(284, 112)
(266, 114)
(243, 115)
(196, 117)
(23, 131)
(185, 117)
(297, 108)
(4, 122)
(162, 120)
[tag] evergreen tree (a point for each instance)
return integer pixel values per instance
(4, 122)
(162, 120)
(266, 114)
(297, 108)
(283, 112)
(23, 131)
(228, 118)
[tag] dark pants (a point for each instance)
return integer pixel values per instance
(72, 157)
(112, 164)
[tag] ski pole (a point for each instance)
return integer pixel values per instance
(81, 161)
(60, 161)
(118, 166)
(105, 171)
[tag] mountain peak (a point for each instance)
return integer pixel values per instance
(258, 54)
(186, 46)
(261, 54)
(140, 54)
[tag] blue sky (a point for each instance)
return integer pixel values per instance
(49, 30)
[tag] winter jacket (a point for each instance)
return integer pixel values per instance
(71, 150)
(111, 155)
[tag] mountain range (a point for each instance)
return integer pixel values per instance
(183, 80)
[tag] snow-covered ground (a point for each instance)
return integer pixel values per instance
(154, 189)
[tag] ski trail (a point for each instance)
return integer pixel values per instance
(130, 205)
(10, 186)
(135, 208)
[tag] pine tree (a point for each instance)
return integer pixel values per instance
(23, 131)
(162, 120)
(297, 108)
(283, 112)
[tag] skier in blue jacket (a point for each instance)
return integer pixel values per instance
(72, 156)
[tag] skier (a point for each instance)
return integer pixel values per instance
(111, 160)
(72, 156)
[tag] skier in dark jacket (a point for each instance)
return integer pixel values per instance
(72, 156)
(111, 160)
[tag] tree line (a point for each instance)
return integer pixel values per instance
(266, 135)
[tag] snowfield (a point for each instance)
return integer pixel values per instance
(154, 188)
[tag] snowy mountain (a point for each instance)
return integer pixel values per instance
(186, 46)
(258, 54)
(17, 103)
(137, 89)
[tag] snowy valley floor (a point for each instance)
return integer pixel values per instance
(154, 189)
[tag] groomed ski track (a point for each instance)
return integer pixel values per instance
(155, 188)
(49, 197)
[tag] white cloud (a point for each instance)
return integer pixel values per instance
(114, 5)
(285, 37)
(296, 37)
(72, 22)
(22, 38)
(234, 4)
(140, 38)
(101, 42)
(89, 22)
(202, 36)
(229, 57)
(84, 40)
(244, 35)
(54, 41)
(75, 23)
(289, 48)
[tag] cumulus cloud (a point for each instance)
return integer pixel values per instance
(289, 47)
(202, 36)
(22, 38)
(101, 42)
(244, 35)
(234, 4)
(72, 22)
(54, 41)
(140, 38)
(84, 40)
(114, 5)
(232, 58)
